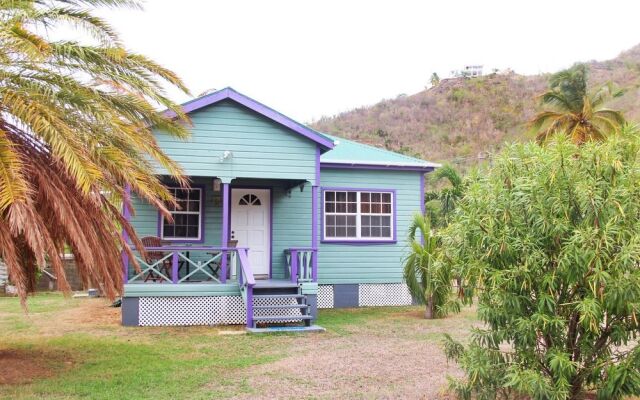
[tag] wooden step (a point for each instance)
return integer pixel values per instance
(283, 306)
(276, 318)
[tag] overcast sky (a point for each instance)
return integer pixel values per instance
(307, 59)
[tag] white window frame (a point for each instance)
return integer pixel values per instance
(358, 214)
(183, 212)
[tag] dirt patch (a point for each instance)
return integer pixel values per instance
(24, 366)
(400, 356)
(90, 316)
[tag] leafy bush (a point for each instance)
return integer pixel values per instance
(549, 240)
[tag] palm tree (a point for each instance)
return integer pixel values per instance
(440, 204)
(75, 137)
(427, 276)
(571, 110)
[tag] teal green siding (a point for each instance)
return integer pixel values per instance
(369, 263)
(261, 148)
(145, 221)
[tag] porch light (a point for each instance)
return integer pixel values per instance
(217, 184)
(227, 155)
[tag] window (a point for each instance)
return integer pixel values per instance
(358, 215)
(186, 217)
(249, 200)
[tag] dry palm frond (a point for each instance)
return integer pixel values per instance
(75, 123)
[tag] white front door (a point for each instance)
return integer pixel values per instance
(250, 226)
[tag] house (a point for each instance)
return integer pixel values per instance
(280, 220)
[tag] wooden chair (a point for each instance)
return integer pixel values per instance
(155, 256)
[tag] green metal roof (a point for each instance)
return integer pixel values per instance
(353, 153)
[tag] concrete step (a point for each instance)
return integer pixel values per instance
(275, 329)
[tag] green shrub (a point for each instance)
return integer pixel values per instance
(549, 241)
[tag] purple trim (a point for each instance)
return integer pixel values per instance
(250, 282)
(364, 165)
(229, 93)
(225, 229)
(270, 218)
(366, 241)
(270, 233)
(314, 230)
(174, 267)
(359, 242)
(294, 266)
(317, 183)
(202, 212)
(126, 214)
(194, 248)
(355, 241)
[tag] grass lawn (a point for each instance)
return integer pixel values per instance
(75, 348)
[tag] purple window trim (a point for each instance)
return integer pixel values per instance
(270, 188)
(229, 93)
(364, 165)
(360, 241)
(202, 213)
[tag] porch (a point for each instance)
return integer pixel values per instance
(269, 259)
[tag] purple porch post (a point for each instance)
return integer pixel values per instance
(294, 266)
(174, 267)
(314, 219)
(314, 234)
(250, 306)
(225, 231)
(126, 213)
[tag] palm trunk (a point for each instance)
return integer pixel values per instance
(428, 312)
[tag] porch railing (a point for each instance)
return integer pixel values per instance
(166, 267)
(302, 264)
(246, 281)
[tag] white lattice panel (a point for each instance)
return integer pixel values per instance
(384, 294)
(205, 310)
(325, 296)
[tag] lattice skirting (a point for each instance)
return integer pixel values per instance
(368, 295)
(384, 294)
(325, 296)
(206, 310)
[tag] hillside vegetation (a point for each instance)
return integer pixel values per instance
(462, 120)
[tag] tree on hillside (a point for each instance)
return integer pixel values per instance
(569, 108)
(434, 80)
(549, 242)
(74, 138)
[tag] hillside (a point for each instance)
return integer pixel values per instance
(460, 120)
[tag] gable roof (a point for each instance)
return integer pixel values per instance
(347, 153)
(229, 93)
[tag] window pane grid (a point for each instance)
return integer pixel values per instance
(186, 215)
(354, 215)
